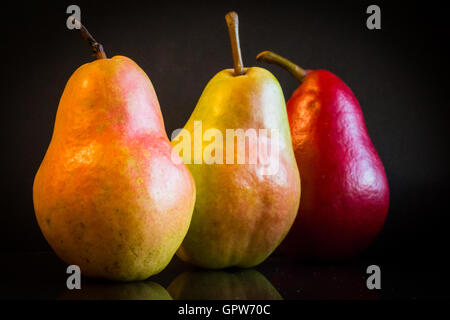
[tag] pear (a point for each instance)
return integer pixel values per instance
(345, 197)
(242, 212)
(108, 196)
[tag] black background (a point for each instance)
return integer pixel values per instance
(398, 73)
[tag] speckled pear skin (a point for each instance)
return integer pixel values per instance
(241, 215)
(108, 196)
(247, 284)
(345, 192)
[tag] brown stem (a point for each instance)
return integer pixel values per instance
(97, 48)
(292, 68)
(233, 28)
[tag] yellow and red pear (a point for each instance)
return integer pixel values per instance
(108, 196)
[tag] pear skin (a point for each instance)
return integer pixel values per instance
(241, 214)
(108, 196)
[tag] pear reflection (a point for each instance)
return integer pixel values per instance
(144, 290)
(246, 284)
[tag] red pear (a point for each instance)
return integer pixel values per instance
(345, 193)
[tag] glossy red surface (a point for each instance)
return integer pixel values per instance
(345, 194)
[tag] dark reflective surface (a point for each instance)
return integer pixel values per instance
(247, 284)
(143, 290)
(43, 276)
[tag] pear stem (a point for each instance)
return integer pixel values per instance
(97, 48)
(292, 68)
(233, 29)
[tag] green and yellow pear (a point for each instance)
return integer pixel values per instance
(244, 208)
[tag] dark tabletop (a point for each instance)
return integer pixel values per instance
(43, 276)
